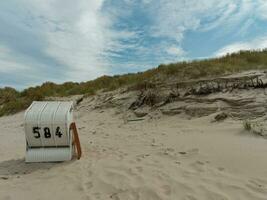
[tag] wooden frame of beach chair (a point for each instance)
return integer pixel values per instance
(76, 140)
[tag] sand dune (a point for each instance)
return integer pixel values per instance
(160, 157)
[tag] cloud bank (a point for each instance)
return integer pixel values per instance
(64, 40)
(256, 44)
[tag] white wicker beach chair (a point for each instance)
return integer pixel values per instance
(50, 131)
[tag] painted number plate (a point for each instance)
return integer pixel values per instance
(47, 133)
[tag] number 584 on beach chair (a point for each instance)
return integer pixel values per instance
(51, 133)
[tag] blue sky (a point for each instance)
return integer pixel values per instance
(66, 40)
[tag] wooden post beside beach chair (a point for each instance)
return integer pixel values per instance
(51, 133)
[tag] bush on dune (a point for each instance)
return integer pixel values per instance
(12, 101)
(7, 94)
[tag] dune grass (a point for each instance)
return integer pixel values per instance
(247, 125)
(12, 101)
(257, 128)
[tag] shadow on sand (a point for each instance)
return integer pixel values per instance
(19, 167)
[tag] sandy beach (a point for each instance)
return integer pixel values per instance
(155, 157)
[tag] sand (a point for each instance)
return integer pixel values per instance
(160, 157)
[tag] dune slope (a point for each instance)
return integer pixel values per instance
(148, 158)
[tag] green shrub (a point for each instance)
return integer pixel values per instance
(247, 125)
(256, 128)
(14, 106)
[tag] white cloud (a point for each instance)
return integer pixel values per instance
(78, 35)
(223, 12)
(257, 44)
(175, 51)
(262, 9)
(173, 18)
(81, 39)
(8, 64)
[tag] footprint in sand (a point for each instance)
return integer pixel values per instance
(7, 198)
(189, 152)
(89, 185)
(167, 151)
(114, 196)
(139, 169)
(141, 156)
(200, 162)
(257, 186)
(198, 166)
(193, 151)
(178, 162)
(166, 190)
(97, 195)
(220, 168)
(190, 197)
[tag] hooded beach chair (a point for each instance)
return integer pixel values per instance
(51, 133)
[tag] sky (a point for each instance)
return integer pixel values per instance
(66, 40)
